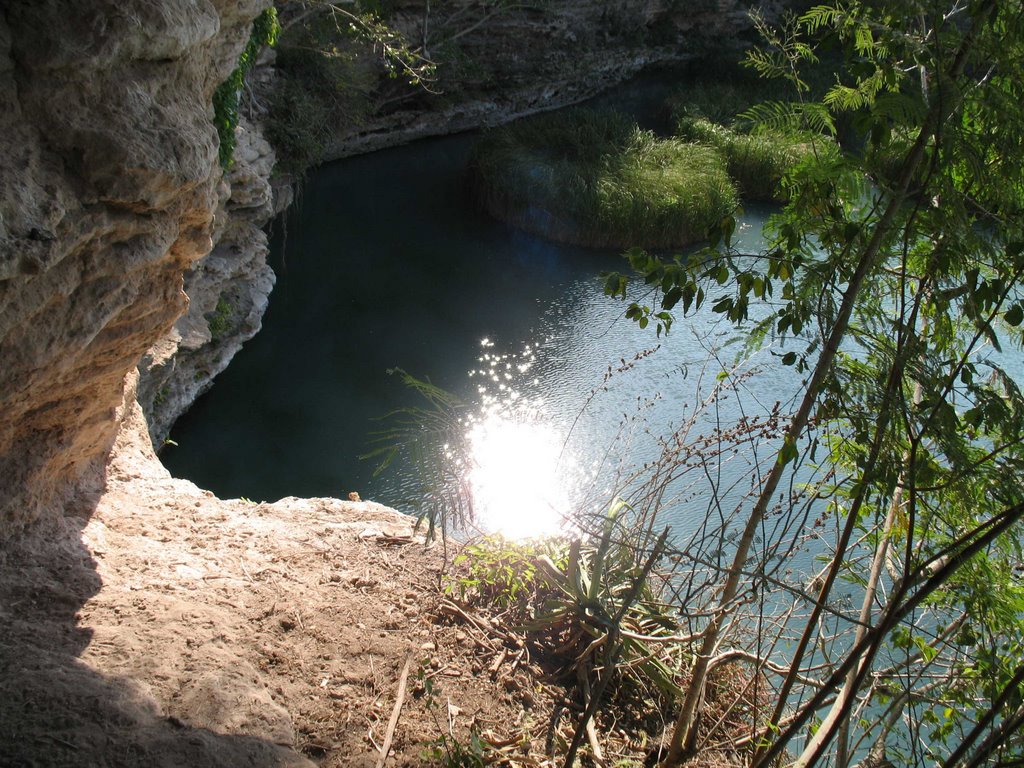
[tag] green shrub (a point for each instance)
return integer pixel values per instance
(220, 320)
(718, 101)
(565, 595)
(503, 573)
(161, 396)
(595, 178)
(755, 161)
(320, 89)
(265, 30)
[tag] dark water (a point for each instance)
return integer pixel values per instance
(384, 265)
(387, 264)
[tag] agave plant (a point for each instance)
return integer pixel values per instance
(602, 599)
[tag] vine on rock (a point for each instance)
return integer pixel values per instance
(265, 30)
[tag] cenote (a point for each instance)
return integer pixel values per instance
(385, 263)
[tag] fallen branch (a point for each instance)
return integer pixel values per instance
(453, 610)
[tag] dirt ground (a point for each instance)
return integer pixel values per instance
(153, 624)
(156, 625)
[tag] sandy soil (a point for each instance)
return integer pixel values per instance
(156, 625)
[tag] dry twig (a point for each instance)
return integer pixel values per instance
(393, 722)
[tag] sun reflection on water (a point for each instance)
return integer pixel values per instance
(521, 473)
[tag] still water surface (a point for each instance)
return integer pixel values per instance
(386, 263)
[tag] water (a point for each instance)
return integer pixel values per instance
(387, 264)
(384, 263)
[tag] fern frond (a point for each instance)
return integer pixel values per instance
(790, 117)
(845, 98)
(817, 118)
(863, 40)
(820, 16)
(768, 64)
(773, 115)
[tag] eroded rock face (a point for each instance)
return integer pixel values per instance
(228, 290)
(109, 187)
(527, 59)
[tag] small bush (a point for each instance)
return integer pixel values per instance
(571, 597)
(595, 178)
(321, 88)
(221, 319)
(503, 573)
(718, 101)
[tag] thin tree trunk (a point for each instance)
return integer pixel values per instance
(684, 736)
(937, 116)
(874, 576)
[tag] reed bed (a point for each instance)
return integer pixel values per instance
(757, 162)
(596, 179)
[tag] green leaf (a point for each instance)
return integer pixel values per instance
(1014, 315)
(728, 226)
(788, 452)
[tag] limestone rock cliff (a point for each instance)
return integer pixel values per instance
(109, 186)
(228, 290)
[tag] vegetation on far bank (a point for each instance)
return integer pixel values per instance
(757, 162)
(597, 179)
(321, 86)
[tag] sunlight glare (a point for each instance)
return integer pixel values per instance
(517, 487)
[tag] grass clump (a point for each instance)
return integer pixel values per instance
(596, 179)
(220, 320)
(716, 113)
(757, 162)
